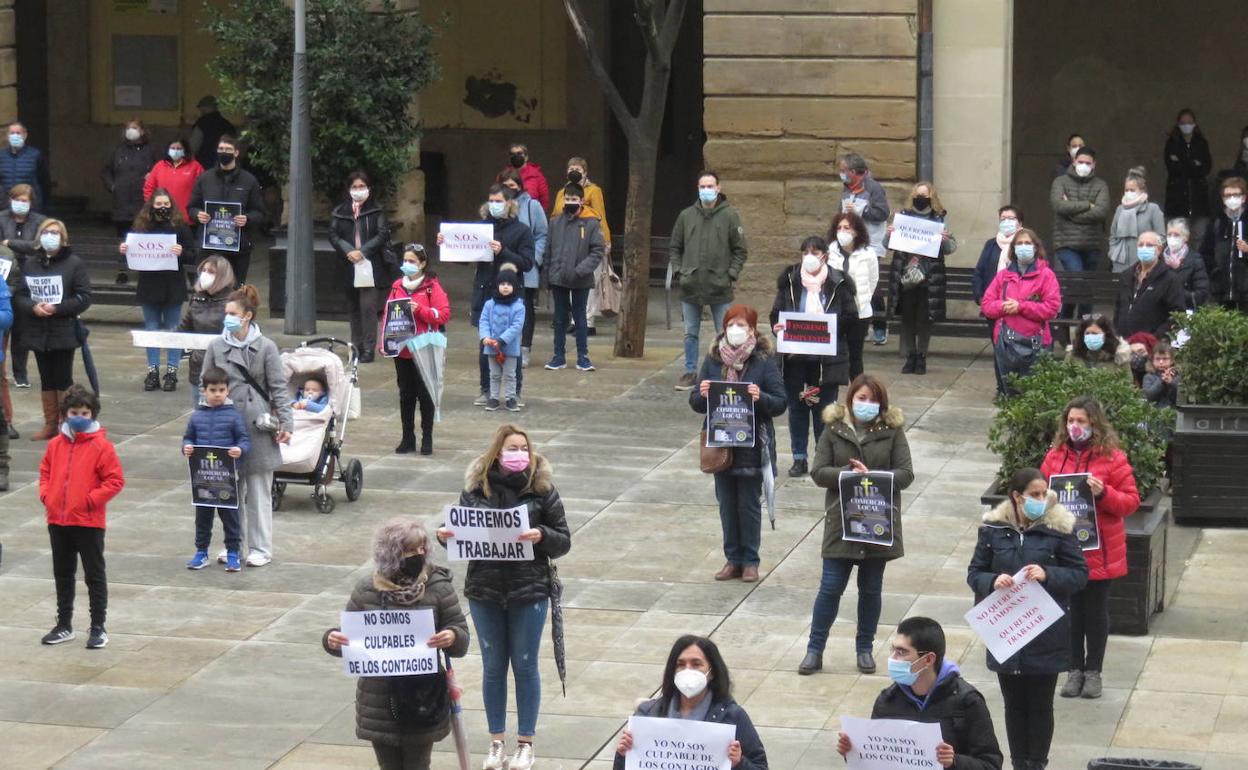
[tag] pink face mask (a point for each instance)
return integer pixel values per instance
(1078, 433)
(514, 460)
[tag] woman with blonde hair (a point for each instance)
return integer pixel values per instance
(916, 284)
(403, 716)
(509, 599)
(205, 310)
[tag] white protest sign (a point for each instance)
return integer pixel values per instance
(679, 744)
(1009, 619)
(151, 251)
(388, 643)
(46, 288)
(466, 242)
(915, 235)
(891, 744)
(6, 267)
(487, 534)
(183, 340)
(812, 334)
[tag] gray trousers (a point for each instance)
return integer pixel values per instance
(256, 490)
(503, 377)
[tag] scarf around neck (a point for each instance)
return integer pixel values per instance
(1175, 259)
(813, 284)
(404, 590)
(412, 284)
(734, 357)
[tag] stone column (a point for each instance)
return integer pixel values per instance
(8, 62)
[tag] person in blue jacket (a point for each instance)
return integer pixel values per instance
(501, 325)
(6, 321)
(697, 687)
(992, 256)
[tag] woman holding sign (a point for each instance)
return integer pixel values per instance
(162, 292)
(430, 310)
(1030, 531)
(403, 716)
(916, 284)
(509, 599)
(739, 356)
(359, 234)
(205, 310)
(697, 688)
(1085, 442)
(862, 435)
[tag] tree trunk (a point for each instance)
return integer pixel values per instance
(630, 335)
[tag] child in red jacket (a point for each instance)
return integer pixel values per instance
(79, 474)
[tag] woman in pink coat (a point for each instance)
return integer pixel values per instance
(1022, 299)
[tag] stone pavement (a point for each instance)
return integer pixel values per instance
(209, 669)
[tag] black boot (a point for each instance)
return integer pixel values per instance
(908, 367)
(426, 428)
(920, 363)
(426, 441)
(152, 382)
(407, 417)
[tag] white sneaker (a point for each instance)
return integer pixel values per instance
(496, 759)
(257, 559)
(221, 557)
(522, 758)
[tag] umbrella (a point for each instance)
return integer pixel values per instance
(556, 626)
(769, 486)
(457, 716)
(88, 360)
(429, 352)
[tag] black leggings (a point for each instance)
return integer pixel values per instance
(1028, 715)
(406, 757)
(530, 316)
(1089, 620)
(412, 391)
(56, 369)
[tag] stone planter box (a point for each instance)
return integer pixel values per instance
(1210, 465)
(1141, 593)
(331, 301)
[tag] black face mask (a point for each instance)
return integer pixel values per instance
(225, 158)
(1138, 362)
(575, 176)
(921, 202)
(413, 565)
(517, 159)
(571, 208)
(162, 214)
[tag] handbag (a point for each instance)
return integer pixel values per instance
(610, 290)
(265, 422)
(1016, 352)
(713, 459)
(913, 275)
(421, 701)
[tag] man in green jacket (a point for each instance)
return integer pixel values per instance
(708, 251)
(1081, 206)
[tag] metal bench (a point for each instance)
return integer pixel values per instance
(957, 289)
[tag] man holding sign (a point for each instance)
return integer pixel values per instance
(1026, 531)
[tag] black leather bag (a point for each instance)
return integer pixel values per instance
(420, 702)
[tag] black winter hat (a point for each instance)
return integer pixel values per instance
(507, 275)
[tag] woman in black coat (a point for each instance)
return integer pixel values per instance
(1185, 262)
(55, 289)
(1188, 165)
(1030, 530)
(739, 354)
(358, 232)
(923, 303)
(812, 381)
(124, 175)
(161, 292)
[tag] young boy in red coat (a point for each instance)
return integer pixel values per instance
(79, 474)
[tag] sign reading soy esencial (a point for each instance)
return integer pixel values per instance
(487, 534)
(388, 643)
(679, 744)
(891, 744)
(1075, 495)
(916, 235)
(48, 289)
(1011, 618)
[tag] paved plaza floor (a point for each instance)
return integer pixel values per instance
(216, 670)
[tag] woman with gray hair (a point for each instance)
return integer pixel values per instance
(1188, 264)
(403, 716)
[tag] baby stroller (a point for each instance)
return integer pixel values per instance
(314, 455)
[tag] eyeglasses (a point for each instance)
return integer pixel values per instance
(415, 248)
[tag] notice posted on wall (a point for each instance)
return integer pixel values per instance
(388, 643)
(487, 534)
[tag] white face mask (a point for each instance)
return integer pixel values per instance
(50, 242)
(1007, 227)
(1174, 243)
(690, 682)
(1074, 151)
(133, 134)
(359, 196)
(1245, 140)
(736, 335)
(1234, 202)
(811, 263)
(1083, 169)
(845, 239)
(206, 279)
(1129, 197)
(21, 208)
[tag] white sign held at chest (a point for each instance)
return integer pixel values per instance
(151, 251)
(1011, 618)
(466, 242)
(487, 534)
(46, 288)
(679, 744)
(916, 235)
(891, 744)
(388, 643)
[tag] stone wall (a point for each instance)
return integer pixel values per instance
(8, 62)
(788, 91)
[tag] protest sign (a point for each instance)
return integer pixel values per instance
(1009, 619)
(729, 415)
(867, 507)
(487, 534)
(46, 288)
(891, 744)
(916, 235)
(678, 744)
(214, 477)
(397, 326)
(812, 334)
(388, 643)
(1075, 495)
(6, 267)
(184, 340)
(466, 242)
(151, 251)
(220, 232)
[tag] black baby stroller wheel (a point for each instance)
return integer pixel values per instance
(353, 480)
(324, 501)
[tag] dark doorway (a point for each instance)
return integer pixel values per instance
(680, 149)
(31, 18)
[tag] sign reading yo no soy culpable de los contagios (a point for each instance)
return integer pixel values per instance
(729, 415)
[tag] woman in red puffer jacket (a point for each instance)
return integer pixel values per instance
(1086, 443)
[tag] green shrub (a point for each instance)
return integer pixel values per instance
(1023, 428)
(1213, 360)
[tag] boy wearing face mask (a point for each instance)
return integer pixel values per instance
(79, 474)
(576, 248)
(928, 688)
(1225, 248)
(124, 176)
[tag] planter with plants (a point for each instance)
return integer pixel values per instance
(1209, 470)
(1023, 430)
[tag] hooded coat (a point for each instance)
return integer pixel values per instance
(1004, 548)
(575, 248)
(517, 240)
(881, 446)
(753, 755)
(258, 356)
(708, 250)
(58, 331)
(839, 298)
(760, 369)
(217, 426)
(1120, 500)
(77, 478)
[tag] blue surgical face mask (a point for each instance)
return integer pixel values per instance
(497, 208)
(1032, 508)
(866, 411)
(50, 242)
(232, 323)
(17, 141)
(410, 269)
(78, 423)
(1025, 252)
(707, 194)
(1146, 254)
(1094, 341)
(21, 208)
(176, 153)
(844, 178)
(899, 671)
(1007, 227)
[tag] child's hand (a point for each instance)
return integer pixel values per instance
(235, 452)
(299, 405)
(187, 450)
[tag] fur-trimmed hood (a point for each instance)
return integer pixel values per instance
(893, 418)
(1121, 357)
(510, 211)
(1056, 517)
(542, 480)
(763, 347)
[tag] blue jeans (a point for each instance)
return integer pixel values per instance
(571, 301)
(692, 314)
(1076, 260)
(162, 318)
(740, 516)
(510, 634)
(801, 414)
(828, 602)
